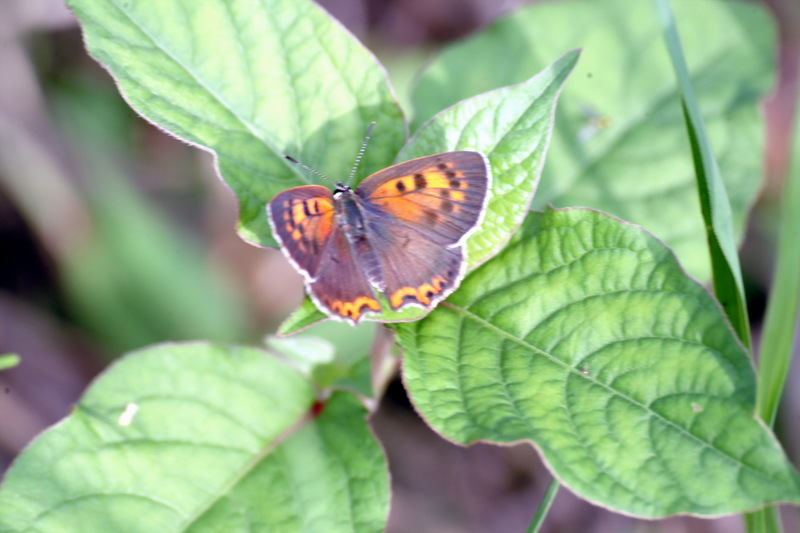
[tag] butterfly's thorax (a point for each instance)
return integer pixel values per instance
(348, 213)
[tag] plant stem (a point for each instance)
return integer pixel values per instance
(544, 506)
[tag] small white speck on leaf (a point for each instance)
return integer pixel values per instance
(697, 408)
(127, 415)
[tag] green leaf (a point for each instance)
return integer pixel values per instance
(585, 337)
(250, 81)
(332, 355)
(620, 139)
(303, 317)
(9, 360)
(714, 204)
(511, 127)
(199, 437)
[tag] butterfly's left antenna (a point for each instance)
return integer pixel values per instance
(361, 152)
(298, 163)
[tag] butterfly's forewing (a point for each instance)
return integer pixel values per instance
(417, 215)
(303, 221)
(442, 194)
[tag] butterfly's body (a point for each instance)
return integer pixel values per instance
(349, 216)
(401, 232)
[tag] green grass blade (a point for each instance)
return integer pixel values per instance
(763, 521)
(547, 501)
(779, 323)
(781, 316)
(728, 285)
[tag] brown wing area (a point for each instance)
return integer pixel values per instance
(302, 221)
(341, 289)
(442, 195)
(416, 270)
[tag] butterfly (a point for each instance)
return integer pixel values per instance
(401, 233)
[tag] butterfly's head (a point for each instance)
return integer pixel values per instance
(341, 190)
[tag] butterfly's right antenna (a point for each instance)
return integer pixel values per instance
(361, 152)
(317, 172)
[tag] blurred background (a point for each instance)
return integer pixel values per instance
(115, 236)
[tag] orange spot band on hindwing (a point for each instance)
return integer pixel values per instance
(355, 308)
(422, 294)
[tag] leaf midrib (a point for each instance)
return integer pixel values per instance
(521, 342)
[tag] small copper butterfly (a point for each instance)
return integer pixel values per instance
(400, 232)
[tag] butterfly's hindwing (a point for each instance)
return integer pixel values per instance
(341, 288)
(415, 270)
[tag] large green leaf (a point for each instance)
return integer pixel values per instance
(249, 80)
(620, 141)
(585, 337)
(195, 438)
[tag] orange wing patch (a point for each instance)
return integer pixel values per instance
(302, 208)
(353, 310)
(438, 190)
(300, 212)
(302, 219)
(440, 176)
(422, 294)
